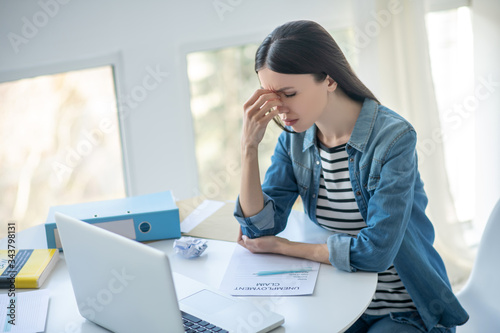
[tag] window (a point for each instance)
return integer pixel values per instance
(451, 53)
(220, 83)
(60, 143)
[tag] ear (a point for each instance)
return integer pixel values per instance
(332, 84)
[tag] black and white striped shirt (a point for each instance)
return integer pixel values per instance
(337, 210)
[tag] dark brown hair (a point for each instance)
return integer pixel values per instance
(305, 47)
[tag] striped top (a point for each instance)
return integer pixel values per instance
(338, 211)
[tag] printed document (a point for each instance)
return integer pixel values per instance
(250, 274)
(26, 312)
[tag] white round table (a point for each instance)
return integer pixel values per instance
(339, 297)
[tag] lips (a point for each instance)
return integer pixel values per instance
(290, 122)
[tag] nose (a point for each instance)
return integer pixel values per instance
(282, 108)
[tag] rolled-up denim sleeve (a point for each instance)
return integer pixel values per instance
(260, 224)
(339, 247)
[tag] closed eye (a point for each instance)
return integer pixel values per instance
(290, 95)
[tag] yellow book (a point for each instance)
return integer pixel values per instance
(26, 268)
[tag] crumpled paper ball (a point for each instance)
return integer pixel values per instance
(190, 247)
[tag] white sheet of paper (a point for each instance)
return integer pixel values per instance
(240, 278)
(204, 210)
(29, 314)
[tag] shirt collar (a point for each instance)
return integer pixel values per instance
(309, 138)
(361, 132)
(364, 125)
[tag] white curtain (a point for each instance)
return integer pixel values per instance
(486, 29)
(402, 81)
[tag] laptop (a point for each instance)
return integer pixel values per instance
(125, 286)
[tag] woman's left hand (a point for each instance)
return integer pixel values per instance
(279, 245)
(265, 244)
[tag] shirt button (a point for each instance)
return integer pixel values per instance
(317, 162)
(358, 192)
(352, 159)
(314, 195)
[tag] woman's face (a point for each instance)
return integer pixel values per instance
(304, 100)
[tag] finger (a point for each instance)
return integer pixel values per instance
(257, 93)
(243, 242)
(249, 244)
(240, 233)
(265, 99)
(268, 116)
(273, 112)
(262, 103)
(269, 107)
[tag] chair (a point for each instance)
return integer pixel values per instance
(481, 294)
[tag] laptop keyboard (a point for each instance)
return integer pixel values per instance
(194, 324)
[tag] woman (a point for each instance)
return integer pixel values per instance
(354, 164)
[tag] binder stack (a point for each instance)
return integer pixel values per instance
(143, 218)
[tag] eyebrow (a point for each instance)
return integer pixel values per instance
(279, 90)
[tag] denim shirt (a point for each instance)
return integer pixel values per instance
(391, 198)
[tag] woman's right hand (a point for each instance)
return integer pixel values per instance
(259, 109)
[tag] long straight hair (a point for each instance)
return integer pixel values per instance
(305, 47)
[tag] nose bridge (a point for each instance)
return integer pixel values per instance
(283, 108)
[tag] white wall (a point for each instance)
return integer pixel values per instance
(138, 37)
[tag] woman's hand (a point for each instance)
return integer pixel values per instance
(279, 245)
(266, 244)
(259, 110)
